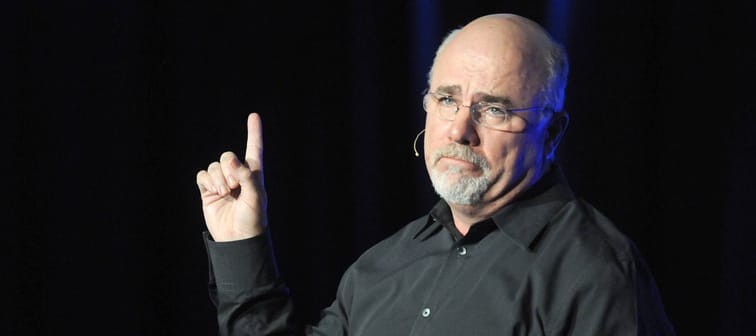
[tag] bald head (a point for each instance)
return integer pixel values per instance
(519, 44)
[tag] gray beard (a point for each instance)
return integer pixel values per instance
(465, 190)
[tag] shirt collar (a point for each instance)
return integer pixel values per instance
(524, 218)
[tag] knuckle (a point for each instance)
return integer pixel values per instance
(244, 174)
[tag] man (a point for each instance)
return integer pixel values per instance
(508, 249)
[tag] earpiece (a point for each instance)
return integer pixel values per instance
(414, 143)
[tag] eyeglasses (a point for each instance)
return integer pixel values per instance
(487, 114)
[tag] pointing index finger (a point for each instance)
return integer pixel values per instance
(253, 155)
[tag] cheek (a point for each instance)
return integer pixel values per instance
(429, 141)
(517, 154)
(532, 151)
(432, 136)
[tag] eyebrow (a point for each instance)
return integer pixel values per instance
(503, 100)
(449, 89)
(483, 97)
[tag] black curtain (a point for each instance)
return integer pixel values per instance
(110, 109)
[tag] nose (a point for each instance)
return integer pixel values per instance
(462, 129)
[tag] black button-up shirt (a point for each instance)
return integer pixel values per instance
(546, 264)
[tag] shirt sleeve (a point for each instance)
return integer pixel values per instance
(252, 299)
(246, 289)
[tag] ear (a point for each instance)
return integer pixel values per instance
(557, 126)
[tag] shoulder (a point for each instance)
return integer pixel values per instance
(582, 229)
(593, 265)
(582, 250)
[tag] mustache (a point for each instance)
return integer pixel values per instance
(462, 152)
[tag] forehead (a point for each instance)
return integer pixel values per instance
(492, 60)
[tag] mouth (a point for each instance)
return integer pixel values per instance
(456, 160)
(449, 161)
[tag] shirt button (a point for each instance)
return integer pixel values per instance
(426, 312)
(462, 250)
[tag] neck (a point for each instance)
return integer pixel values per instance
(465, 216)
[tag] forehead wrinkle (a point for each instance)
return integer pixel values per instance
(470, 72)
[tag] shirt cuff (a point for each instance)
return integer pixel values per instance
(241, 264)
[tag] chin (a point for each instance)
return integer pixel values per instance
(459, 188)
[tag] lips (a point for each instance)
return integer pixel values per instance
(456, 164)
(455, 158)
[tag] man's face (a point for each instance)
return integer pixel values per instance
(468, 163)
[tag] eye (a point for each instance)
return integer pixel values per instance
(446, 100)
(495, 111)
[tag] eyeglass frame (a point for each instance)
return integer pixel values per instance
(475, 111)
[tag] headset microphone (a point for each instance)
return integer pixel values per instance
(414, 143)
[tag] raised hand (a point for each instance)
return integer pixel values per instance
(234, 201)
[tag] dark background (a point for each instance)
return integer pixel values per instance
(111, 107)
